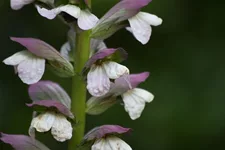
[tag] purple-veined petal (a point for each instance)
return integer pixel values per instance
(52, 104)
(31, 70)
(101, 131)
(72, 10)
(150, 18)
(45, 90)
(18, 4)
(140, 29)
(115, 70)
(136, 79)
(98, 83)
(44, 50)
(134, 101)
(22, 142)
(87, 20)
(62, 128)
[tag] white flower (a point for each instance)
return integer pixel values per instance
(98, 83)
(140, 25)
(134, 101)
(18, 4)
(61, 128)
(85, 19)
(29, 67)
(110, 143)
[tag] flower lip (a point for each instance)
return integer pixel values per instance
(52, 104)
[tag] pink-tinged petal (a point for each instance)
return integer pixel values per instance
(97, 45)
(22, 142)
(87, 20)
(18, 4)
(98, 83)
(140, 29)
(31, 70)
(116, 55)
(44, 90)
(136, 79)
(52, 104)
(65, 51)
(102, 131)
(17, 58)
(122, 11)
(44, 50)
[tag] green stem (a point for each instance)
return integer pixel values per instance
(81, 56)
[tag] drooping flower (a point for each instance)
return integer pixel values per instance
(22, 142)
(134, 98)
(140, 26)
(105, 138)
(116, 18)
(103, 67)
(85, 19)
(30, 63)
(56, 104)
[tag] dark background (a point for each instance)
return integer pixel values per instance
(185, 57)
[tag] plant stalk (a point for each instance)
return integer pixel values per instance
(81, 55)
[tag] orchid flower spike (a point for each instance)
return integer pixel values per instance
(103, 67)
(18, 4)
(49, 95)
(104, 138)
(85, 19)
(140, 26)
(30, 63)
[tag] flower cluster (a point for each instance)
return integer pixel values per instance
(107, 80)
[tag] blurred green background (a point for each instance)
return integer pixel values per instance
(185, 57)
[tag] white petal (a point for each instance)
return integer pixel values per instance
(49, 14)
(140, 29)
(61, 128)
(43, 122)
(31, 70)
(99, 145)
(65, 50)
(87, 20)
(150, 18)
(115, 70)
(17, 58)
(18, 4)
(72, 10)
(98, 83)
(115, 143)
(134, 101)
